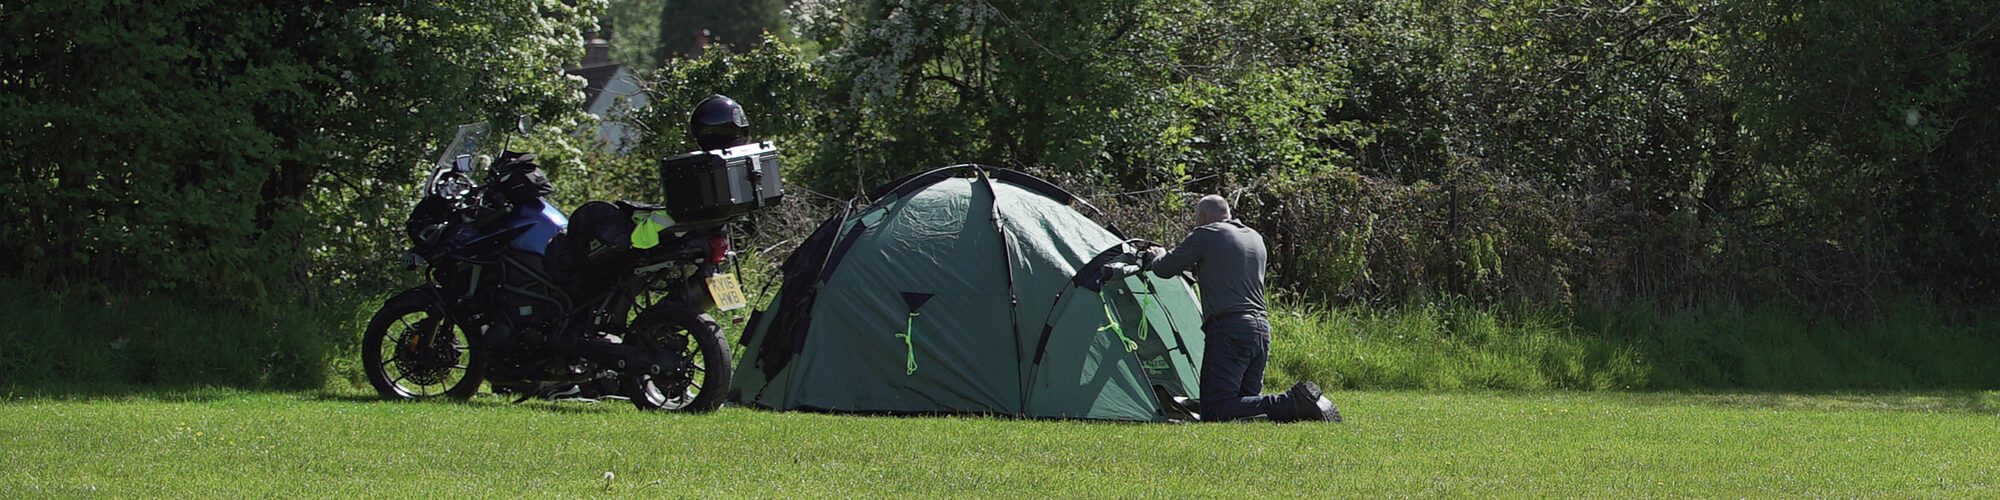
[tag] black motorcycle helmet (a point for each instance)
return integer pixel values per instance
(718, 123)
(516, 176)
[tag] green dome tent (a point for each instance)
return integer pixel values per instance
(973, 290)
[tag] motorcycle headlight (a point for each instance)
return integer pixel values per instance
(411, 260)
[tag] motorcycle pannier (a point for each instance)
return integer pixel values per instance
(709, 185)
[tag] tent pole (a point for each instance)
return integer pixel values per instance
(1013, 299)
(1186, 353)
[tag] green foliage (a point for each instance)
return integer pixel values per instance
(1445, 346)
(776, 87)
(232, 150)
(1771, 348)
(635, 32)
(1566, 153)
(1873, 124)
(732, 23)
(1562, 156)
(1457, 345)
(173, 341)
(206, 191)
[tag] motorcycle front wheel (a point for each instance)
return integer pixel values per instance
(698, 383)
(412, 350)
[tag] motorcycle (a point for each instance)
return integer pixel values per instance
(608, 301)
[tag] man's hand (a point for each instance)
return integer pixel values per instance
(1154, 253)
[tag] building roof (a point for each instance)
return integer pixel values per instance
(596, 77)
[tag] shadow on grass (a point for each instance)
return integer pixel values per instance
(891, 415)
(18, 393)
(1962, 401)
(347, 397)
(87, 392)
(483, 400)
(1926, 401)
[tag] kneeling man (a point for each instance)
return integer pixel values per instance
(1228, 258)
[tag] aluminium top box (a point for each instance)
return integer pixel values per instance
(718, 184)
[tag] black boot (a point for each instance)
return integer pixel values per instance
(1283, 410)
(1308, 403)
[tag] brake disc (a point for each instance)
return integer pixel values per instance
(675, 383)
(430, 359)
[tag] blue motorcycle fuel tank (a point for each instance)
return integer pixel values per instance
(544, 222)
(531, 224)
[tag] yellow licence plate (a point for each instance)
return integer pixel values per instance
(727, 293)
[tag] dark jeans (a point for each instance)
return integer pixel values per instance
(1232, 367)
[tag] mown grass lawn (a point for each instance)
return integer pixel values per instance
(212, 443)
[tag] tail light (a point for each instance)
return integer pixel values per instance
(718, 249)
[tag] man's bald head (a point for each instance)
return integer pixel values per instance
(1211, 209)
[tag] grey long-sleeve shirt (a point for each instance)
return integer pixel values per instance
(1228, 258)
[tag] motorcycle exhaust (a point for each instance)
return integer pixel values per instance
(623, 358)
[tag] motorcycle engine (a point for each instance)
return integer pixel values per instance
(514, 350)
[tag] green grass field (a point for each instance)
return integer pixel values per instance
(230, 443)
(1459, 400)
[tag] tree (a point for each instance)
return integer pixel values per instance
(1873, 124)
(635, 37)
(233, 149)
(1543, 151)
(735, 23)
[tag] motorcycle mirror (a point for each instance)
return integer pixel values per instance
(462, 164)
(524, 123)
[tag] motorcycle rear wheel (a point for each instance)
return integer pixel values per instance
(412, 350)
(699, 383)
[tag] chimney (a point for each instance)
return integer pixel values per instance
(596, 49)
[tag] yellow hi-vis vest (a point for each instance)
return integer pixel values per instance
(647, 226)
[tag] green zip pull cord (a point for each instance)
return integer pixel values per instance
(909, 359)
(1130, 346)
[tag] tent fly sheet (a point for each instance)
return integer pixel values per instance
(972, 290)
